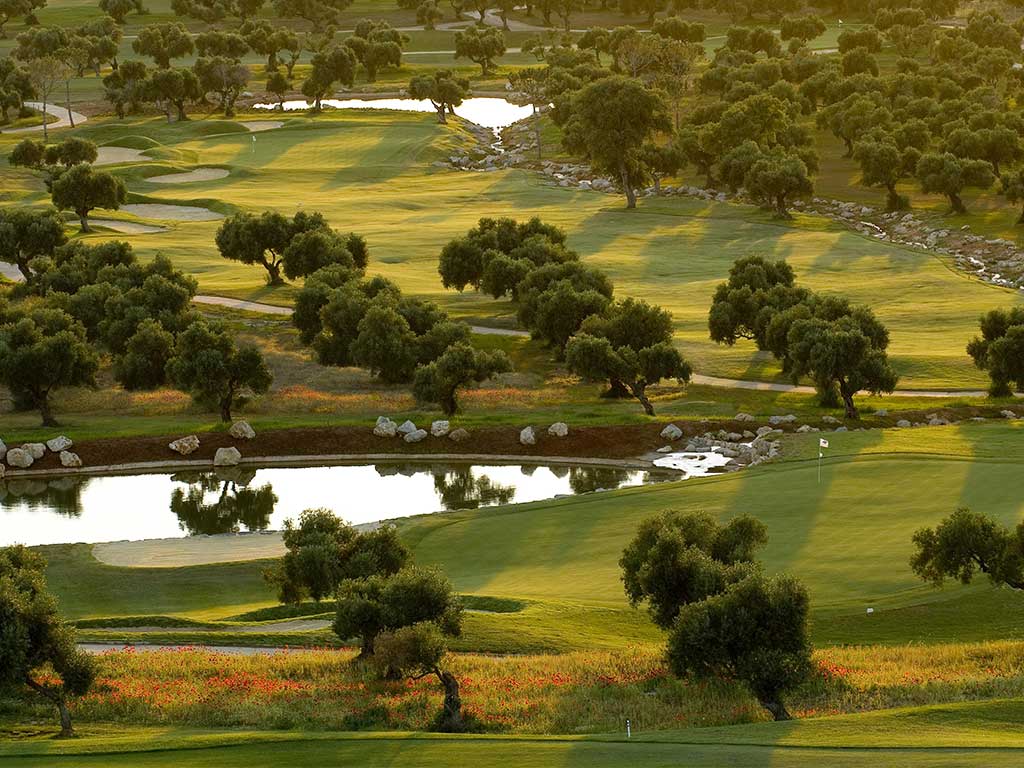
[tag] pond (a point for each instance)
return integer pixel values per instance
(491, 113)
(76, 509)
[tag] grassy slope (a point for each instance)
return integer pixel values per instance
(372, 172)
(848, 538)
(976, 734)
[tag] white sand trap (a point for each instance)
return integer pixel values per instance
(11, 272)
(114, 155)
(171, 212)
(127, 227)
(199, 174)
(194, 550)
(262, 125)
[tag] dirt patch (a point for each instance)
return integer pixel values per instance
(171, 212)
(199, 174)
(602, 442)
(114, 155)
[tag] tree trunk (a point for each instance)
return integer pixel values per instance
(46, 135)
(847, 395)
(537, 135)
(892, 202)
(83, 219)
(27, 273)
(627, 186)
(225, 408)
(66, 730)
(451, 716)
(1020, 219)
(616, 389)
(182, 117)
(956, 203)
(441, 117)
(780, 207)
(71, 118)
(47, 412)
(640, 393)
(273, 273)
(777, 709)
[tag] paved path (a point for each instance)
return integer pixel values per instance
(234, 650)
(59, 112)
(292, 625)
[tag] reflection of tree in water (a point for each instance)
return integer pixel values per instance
(236, 504)
(62, 495)
(459, 489)
(587, 479)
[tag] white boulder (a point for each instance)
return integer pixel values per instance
(415, 436)
(407, 427)
(787, 419)
(830, 420)
(528, 436)
(69, 459)
(227, 457)
(20, 458)
(559, 429)
(458, 435)
(903, 423)
(671, 432)
(185, 445)
(37, 450)
(440, 428)
(385, 427)
(1008, 414)
(59, 444)
(242, 430)
(743, 417)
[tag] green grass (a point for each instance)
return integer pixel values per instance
(974, 734)
(372, 172)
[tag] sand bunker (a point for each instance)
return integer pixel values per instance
(11, 272)
(171, 212)
(199, 174)
(113, 155)
(194, 550)
(262, 125)
(127, 227)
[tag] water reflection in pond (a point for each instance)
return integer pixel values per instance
(134, 507)
(489, 112)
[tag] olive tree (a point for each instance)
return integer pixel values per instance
(609, 122)
(163, 42)
(481, 46)
(264, 239)
(441, 88)
(368, 606)
(458, 366)
(1000, 350)
(322, 550)
(948, 175)
(26, 235)
(966, 543)
(42, 352)
(37, 647)
(81, 188)
(217, 373)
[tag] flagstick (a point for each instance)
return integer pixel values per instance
(819, 466)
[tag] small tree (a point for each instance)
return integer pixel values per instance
(415, 652)
(322, 550)
(35, 640)
(336, 63)
(263, 239)
(385, 345)
(175, 88)
(778, 178)
(279, 86)
(208, 365)
(443, 89)
(428, 14)
(45, 74)
(966, 543)
(1012, 187)
(1000, 350)
(366, 607)
(118, 10)
(481, 46)
(312, 250)
(948, 175)
(459, 366)
(755, 632)
(847, 353)
(43, 352)
(163, 42)
(26, 235)
(883, 164)
(81, 189)
(609, 122)
(143, 364)
(224, 76)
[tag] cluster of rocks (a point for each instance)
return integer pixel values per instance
(410, 433)
(28, 454)
(743, 448)
(223, 457)
(528, 435)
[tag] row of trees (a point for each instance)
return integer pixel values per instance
(567, 305)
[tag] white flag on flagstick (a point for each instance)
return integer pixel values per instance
(822, 442)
